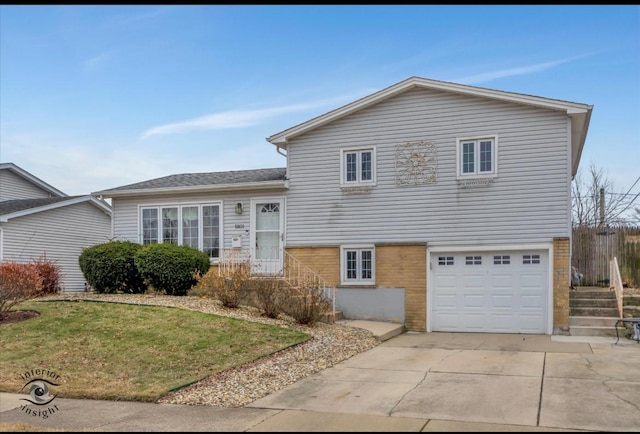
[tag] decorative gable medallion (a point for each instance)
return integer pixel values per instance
(416, 163)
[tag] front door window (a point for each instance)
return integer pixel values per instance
(268, 245)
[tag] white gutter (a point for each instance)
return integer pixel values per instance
(264, 185)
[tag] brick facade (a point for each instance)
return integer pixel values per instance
(397, 266)
(405, 266)
(561, 282)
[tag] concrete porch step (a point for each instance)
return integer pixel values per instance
(577, 295)
(594, 302)
(594, 311)
(381, 330)
(331, 318)
(594, 321)
(596, 331)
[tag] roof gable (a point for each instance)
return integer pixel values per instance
(32, 179)
(10, 209)
(579, 113)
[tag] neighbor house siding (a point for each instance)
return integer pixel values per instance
(13, 186)
(526, 203)
(126, 212)
(58, 235)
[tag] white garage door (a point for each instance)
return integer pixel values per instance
(491, 292)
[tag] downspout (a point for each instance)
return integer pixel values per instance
(278, 148)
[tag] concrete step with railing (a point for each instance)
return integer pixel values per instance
(593, 312)
(611, 312)
(594, 302)
(594, 326)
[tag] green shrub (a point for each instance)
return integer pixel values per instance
(18, 282)
(110, 267)
(171, 268)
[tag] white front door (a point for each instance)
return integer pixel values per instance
(267, 236)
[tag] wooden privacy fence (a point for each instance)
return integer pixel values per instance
(594, 247)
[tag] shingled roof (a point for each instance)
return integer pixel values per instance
(201, 181)
(14, 208)
(16, 205)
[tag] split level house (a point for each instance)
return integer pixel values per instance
(40, 222)
(441, 206)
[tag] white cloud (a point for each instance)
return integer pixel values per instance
(510, 72)
(95, 62)
(236, 118)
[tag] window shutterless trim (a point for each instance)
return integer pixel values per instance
(358, 166)
(477, 157)
(159, 236)
(344, 259)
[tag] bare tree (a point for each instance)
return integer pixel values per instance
(592, 202)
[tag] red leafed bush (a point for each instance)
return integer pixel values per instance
(18, 282)
(50, 276)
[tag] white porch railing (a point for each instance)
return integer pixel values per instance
(289, 269)
(616, 284)
(298, 274)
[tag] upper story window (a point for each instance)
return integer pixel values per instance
(358, 265)
(196, 225)
(477, 157)
(358, 167)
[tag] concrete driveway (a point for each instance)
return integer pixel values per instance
(410, 383)
(523, 381)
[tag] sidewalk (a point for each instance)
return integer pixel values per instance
(411, 382)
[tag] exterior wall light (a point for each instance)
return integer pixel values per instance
(239, 208)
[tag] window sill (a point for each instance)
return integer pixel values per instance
(356, 285)
(356, 189)
(475, 181)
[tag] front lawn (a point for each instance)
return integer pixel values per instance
(119, 351)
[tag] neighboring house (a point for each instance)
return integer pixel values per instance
(443, 206)
(38, 221)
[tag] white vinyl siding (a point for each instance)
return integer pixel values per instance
(127, 215)
(527, 202)
(59, 235)
(13, 186)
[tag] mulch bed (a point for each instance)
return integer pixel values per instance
(14, 316)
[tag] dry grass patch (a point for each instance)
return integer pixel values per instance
(130, 352)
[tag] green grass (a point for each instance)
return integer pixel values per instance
(128, 352)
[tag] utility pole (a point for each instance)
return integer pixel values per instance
(601, 206)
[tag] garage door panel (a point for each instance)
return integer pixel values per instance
(473, 301)
(501, 301)
(532, 280)
(473, 281)
(449, 321)
(446, 300)
(532, 301)
(502, 281)
(499, 292)
(473, 321)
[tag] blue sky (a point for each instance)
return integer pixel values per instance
(95, 97)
